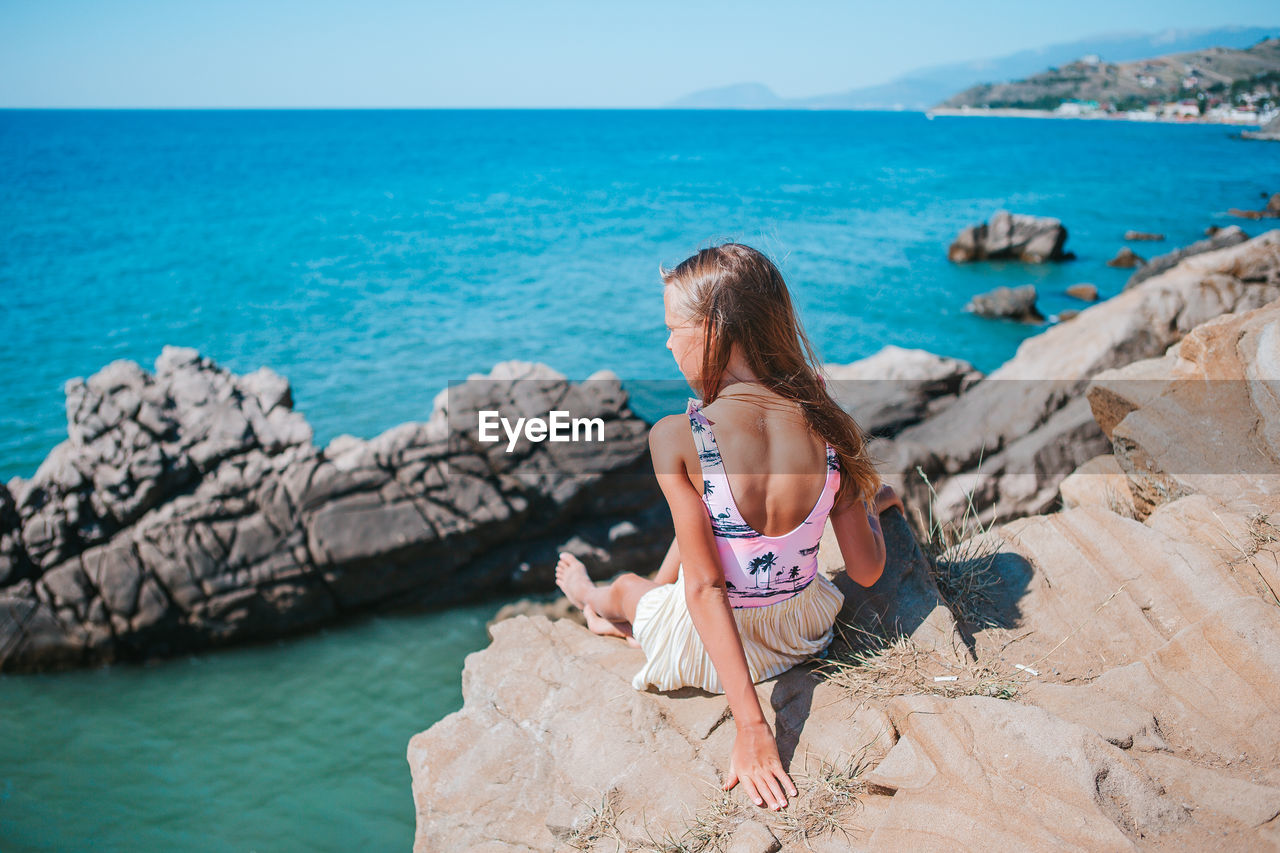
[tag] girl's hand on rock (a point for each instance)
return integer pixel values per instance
(755, 763)
(886, 498)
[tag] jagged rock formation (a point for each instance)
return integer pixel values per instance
(1232, 235)
(1008, 440)
(1034, 239)
(1145, 714)
(188, 508)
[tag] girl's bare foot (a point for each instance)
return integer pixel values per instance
(571, 577)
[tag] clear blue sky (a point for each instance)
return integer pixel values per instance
(497, 53)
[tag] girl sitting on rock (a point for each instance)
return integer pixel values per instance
(751, 472)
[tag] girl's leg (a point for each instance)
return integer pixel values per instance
(614, 601)
(597, 624)
(670, 569)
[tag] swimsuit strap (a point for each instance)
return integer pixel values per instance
(708, 451)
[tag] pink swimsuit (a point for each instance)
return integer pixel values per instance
(758, 569)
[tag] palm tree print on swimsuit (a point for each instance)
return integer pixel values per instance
(761, 566)
(773, 588)
(708, 453)
(709, 458)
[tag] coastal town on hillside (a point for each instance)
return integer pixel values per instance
(1215, 86)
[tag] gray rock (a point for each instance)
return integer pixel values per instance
(905, 601)
(897, 387)
(1034, 239)
(1143, 235)
(189, 509)
(1018, 303)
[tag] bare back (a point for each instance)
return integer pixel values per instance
(776, 466)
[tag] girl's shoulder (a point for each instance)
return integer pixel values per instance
(671, 437)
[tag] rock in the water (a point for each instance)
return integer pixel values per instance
(1034, 239)
(898, 387)
(1018, 303)
(189, 509)
(1220, 239)
(1271, 211)
(1126, 258)
(1085, 292)
(1067, 314)
(1142, 235)
(1269, 132)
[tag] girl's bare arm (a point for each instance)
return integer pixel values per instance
(861, 541)
(755, 760)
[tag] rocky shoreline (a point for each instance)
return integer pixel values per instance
(1095, 669)
(1015, 112)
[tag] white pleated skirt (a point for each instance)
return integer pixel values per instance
(775, 637)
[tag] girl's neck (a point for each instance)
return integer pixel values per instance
(737, 376)
(730, 387)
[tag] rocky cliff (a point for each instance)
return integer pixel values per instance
(1103, 677)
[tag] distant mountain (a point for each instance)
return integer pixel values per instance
(921, 89)
(742, 96)
(1130, 85)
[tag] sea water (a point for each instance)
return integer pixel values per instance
(371, 257)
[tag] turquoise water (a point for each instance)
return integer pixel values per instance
(371, 257)
(292, 745)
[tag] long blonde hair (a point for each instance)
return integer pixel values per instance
(738, 296)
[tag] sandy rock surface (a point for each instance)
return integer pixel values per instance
(1116, 673)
